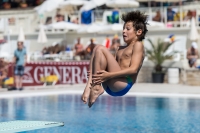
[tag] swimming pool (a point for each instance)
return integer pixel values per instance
(109, 114)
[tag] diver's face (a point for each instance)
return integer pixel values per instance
(129, 32)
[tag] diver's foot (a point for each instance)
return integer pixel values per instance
(95, 92)
(86, 94)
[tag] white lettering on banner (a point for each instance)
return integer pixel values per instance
(36, 73)
(55, 71)
(84, 74)
(47, 70)
(76, 74)
(65, 74)
(27, 78)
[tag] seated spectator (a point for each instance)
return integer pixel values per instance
(49, 50)
(56, 49)
(3, 71)
(188, 16)
(193, 55)
(6, 5)
(60, 18)
(68, 48)
(75, 21)
(178, 15)
(44, 51)
(89, 49)
(23, 4)
(170, 15)
(157, 17)
(48, 20)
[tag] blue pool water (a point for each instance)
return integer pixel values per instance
(108, 114)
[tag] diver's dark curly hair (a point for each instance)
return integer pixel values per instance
(139, 20)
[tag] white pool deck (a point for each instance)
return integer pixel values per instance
(139, 89)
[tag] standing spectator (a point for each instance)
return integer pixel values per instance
(20, 62)
(90, 49)
(193, 55)
(78, 47)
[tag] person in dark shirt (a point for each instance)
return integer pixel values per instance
(170, 15)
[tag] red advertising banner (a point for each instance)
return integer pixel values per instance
(74, 72)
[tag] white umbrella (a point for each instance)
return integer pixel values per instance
(73, 3)
(63, 25)
(48, 6)
(117, 28)
(114, 28)
(193, 34)
(93, 28)
(21, 36)
(42, 38)
(92, 4)
(122, 3)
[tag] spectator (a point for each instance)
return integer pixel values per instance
(3, 71)
(44, 51)
(50, 50)
(170, 15)
(48, 20)
(75, 21)
(192, 55)
(60, 18)
(56, 49)
(178, 16)
(157, 17)
(89, 49)
(188, 16)
(67, 48)
(20, 62)
(115, 45)
(78, 48)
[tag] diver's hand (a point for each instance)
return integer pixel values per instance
(100, 77)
